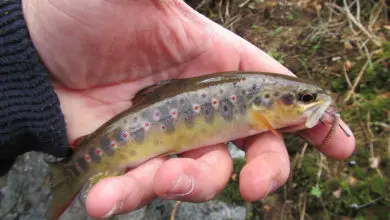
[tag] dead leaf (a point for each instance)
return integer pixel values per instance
(267, 208)
(337, 193)
(374, 162)
(347, 65)
(352, 180)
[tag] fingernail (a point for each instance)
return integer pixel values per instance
(272, 187)
(184, 186)
(114, 210)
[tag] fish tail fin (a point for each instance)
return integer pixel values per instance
(63, 192)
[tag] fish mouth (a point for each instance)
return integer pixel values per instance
(316, 110)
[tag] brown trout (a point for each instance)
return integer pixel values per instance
(184, 114)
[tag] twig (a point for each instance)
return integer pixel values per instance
(201, 4)
(358, 24)
(358, 10)
(370, 134)
(388, 136)
(302, 206)
(174, 211)
(371, 141)
(302, 155)
(220, 11)
(227, 14)
(381, 124)
(244, 3)
(319, 173)
(375, 18)
(357, 80)
(347, 77)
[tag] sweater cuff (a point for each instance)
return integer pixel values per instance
(30, 114)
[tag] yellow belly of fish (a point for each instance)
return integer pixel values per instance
(182, 139)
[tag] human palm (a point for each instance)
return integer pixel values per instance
(100, 53)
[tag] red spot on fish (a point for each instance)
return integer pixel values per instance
(146, 124)
(215, 102)
(98, 151)
(125, 135)
(196, 107)
(75, 144)
(113, 144)
(174, 113)
(87, 158)
(163, 127)
(234, 98)
(78, 166)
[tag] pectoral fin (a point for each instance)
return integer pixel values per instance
(259, 122)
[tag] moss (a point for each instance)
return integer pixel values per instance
(231, 193)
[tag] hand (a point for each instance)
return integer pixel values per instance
(100, 53)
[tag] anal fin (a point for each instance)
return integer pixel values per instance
(82, 196)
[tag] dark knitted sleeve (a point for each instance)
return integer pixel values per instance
(30, 114)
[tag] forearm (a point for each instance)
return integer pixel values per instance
(30, 114)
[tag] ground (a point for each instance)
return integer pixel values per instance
(346, 49)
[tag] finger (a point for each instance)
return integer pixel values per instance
(339, 146)
(267, 166)
(198, 177)
(124, 193)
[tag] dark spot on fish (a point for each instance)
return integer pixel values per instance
(243, 92)
(74, 170)
(182, 101)
(258, 101)
(287, 99)
(207, 111)
(226, 109)
(266, 96)
(204, 95)
(95, 157)
(105, 144)
(221, 91)
(167, 124)
(135, 119)
(188, 115)
(252, 92)
(119, 135)
(241, 105)
(138, 135)
(276, 94)
(83, 163)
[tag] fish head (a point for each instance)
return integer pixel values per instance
(291, 104)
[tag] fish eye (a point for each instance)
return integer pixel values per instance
(307, 97)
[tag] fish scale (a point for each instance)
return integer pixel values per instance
(183, 114)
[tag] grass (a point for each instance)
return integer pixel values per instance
(345, 46)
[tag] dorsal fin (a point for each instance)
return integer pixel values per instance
(142, 94)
